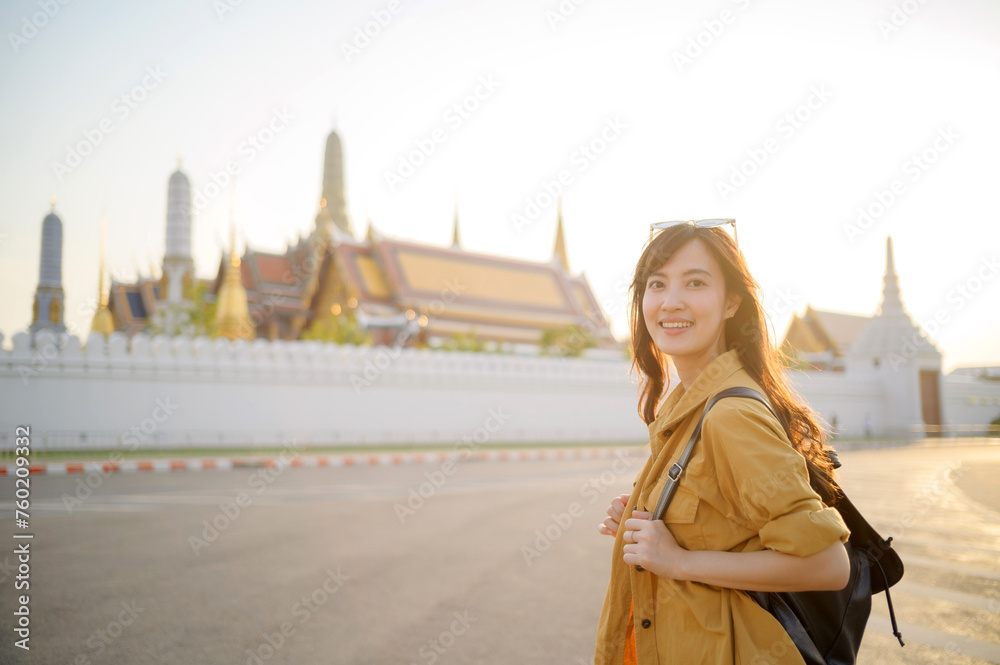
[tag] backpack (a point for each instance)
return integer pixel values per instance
(825, 626)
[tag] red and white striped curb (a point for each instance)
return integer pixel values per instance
(308, 461)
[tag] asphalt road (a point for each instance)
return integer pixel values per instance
(495, 563)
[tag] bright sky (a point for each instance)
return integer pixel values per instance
(826, 107)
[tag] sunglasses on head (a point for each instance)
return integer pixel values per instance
(701, 224)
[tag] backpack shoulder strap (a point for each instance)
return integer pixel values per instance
(674, 474)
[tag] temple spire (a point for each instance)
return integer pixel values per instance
(892, 303)
(559, 251)
(333, 184)
(232, 314)
(103, 322)
(455, 239)
(48, 306)
(324, 223)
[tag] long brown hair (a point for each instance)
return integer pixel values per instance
(746, 332)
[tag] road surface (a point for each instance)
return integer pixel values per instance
(480, 562)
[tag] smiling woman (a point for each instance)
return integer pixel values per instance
(746, 516)
(684, 305)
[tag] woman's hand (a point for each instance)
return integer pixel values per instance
(610, 525)
(649, 543)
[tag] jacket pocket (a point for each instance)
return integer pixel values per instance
(681, 516)
(683, 508)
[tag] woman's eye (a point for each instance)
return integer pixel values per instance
(696, 282)
(655, 284)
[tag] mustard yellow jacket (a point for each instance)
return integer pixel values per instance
(744, 489)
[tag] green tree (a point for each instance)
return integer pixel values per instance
(461, 341)
(203, 313)
(570, 341)
(196, 318)
(337, 328)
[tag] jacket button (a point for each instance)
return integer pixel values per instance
(645, 623)
(667, 432)
(639, 568)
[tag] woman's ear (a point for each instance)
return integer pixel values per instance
(733, 302)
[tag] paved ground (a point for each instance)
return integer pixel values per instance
(982, 484)
(352, 565)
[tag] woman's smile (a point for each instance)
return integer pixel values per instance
(674, 327)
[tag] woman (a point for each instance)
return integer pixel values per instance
(744, 516)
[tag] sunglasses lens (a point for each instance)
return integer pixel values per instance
(701, 223)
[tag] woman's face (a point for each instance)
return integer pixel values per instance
(685, 305)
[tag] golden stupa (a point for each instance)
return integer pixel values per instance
(232, 315)
(103, 322)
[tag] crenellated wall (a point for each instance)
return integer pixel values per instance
(178, 392)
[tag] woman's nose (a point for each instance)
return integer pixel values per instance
(671, 300)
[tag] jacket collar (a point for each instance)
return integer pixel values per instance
(682, 401)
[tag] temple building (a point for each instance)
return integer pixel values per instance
(388, 284)
(49, 304)
(164, 304)
(820, 339)
(394, 289)
(887, 348)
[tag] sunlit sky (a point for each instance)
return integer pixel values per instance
(837, 102)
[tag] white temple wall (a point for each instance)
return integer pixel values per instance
(178, 392)
(969, 402)
(856, 401)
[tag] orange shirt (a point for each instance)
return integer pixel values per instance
(745, 489)
(630, 657)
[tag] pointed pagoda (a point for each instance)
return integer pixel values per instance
(48, 307)
(892, 303)
(103, 321)
(559, 250)
(905, 359)
(456, 241)
(891, 331)
(232, 314)
(333, 205)
(177, 274)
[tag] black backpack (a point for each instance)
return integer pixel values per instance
(825, 626)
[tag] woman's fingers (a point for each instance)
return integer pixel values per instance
(616, 510)
(638, 521)
(609, 527)
(618, 504)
